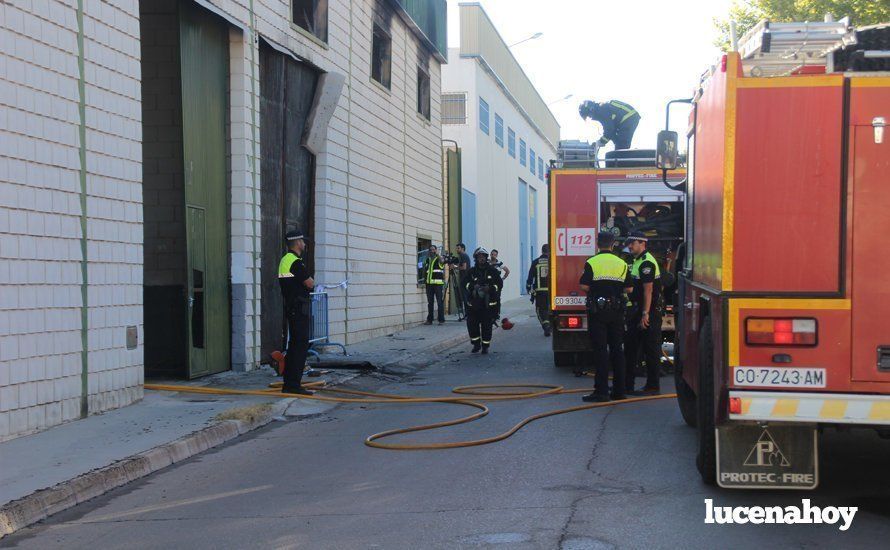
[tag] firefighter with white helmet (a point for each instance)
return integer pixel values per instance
(483, 284)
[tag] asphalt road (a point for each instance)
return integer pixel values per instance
(617, 477)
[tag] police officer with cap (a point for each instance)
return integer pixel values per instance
(483, 286)
(296, 285)
(604, 280)
(644, 322)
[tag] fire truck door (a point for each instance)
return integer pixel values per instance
(870, 217)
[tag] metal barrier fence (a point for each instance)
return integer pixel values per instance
(319, 337)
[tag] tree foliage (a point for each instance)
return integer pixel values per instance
(747, 13)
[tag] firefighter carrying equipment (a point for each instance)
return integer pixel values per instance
(435, 271)
(468, 396)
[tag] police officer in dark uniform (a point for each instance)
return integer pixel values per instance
(296, 285)
(619, 121)
(484, 286)
(537, 284)
(604, 279)
(644, 321)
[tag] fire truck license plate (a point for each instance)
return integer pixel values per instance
(775, 377)
(569, 301)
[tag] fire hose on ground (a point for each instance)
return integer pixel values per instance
(475, 393)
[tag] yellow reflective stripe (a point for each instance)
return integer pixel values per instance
(630, 111)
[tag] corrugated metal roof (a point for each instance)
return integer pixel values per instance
(480, 39)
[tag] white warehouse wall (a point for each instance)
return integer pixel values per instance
(488, 171)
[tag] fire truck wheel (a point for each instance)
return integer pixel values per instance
(707, 443)
(685, 396)
(564, 358)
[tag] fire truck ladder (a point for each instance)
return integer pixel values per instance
(781, 49)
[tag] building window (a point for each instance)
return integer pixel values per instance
(511, 142)
(531, 161)
(522, 151)
(423, 91)
(311, 16)
(498, 130)
(454, 108)
(540, 169)
(381, 56)
(483, 115)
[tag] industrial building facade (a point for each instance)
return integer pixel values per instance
(154, 152)
(507, 137)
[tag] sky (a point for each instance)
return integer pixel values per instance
(643, 52)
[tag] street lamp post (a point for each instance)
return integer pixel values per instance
(570, 96)
(532, 37)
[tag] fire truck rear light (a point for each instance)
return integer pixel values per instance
(573, 322)
(735, 405)
(780, 332)
(723, 64)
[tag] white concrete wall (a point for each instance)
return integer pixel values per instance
(378, 188)
(379, 176)
(488, 170)
(41, 365)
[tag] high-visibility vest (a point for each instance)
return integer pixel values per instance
(608, 267)
(435, 272)
(542, 275)
(628, 110)
(285, 264)
(635, 269)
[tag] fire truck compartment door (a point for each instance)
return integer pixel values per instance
(870, 218)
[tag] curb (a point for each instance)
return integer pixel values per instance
(439, 347)
(41, 504)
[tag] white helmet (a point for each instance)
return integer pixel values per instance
(480, 250)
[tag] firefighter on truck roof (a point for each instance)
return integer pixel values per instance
(619, 121)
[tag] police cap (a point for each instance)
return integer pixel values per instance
(294, 235)
(636, 236)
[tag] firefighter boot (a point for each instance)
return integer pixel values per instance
(476, 346)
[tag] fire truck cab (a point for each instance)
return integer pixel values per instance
(783, 295)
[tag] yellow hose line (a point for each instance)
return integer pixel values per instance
(480, 392)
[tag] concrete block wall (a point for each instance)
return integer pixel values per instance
(41, 260)
(378, 178)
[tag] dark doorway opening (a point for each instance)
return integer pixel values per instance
(287, 91)
(185, 104)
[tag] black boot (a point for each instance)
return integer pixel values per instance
(484, 349)
(476, 347)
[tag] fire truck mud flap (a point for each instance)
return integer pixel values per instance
(775, 456)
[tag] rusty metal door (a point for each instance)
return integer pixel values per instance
(287, 89)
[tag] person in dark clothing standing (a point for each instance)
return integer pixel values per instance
(463, 268)
(538, 285)
(484, 286)
(296, 285)
(644, 321)
(604, 279)
(619, 121)
(434, 278)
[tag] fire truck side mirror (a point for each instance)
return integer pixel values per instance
(667, 154)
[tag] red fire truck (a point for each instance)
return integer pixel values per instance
(783, 293)
(626, 193)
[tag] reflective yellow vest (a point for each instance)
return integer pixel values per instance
(608, 267)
